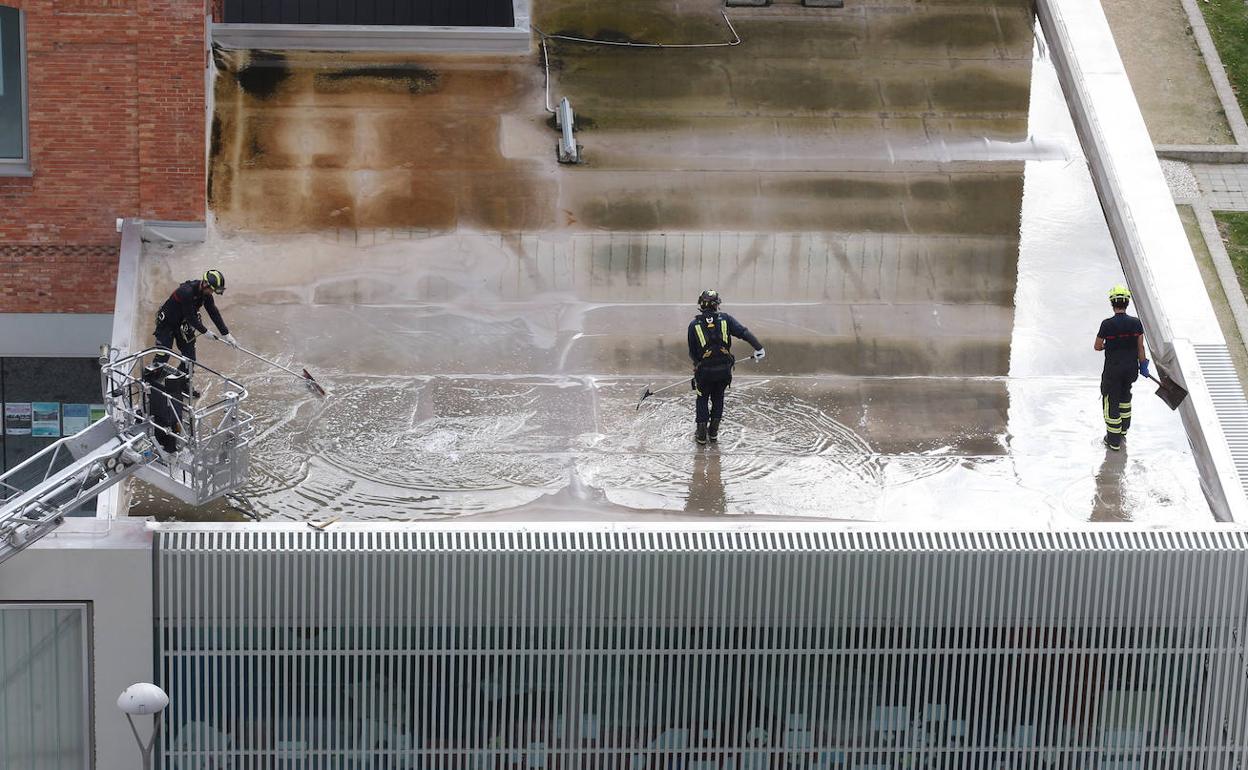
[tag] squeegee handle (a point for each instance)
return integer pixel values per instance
(258, 357)
(668, 387)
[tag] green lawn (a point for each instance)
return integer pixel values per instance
(1234, 228)
(1228, 24)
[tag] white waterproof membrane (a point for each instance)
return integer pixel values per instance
(891, 197)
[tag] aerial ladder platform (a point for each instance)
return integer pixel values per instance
(193, 446)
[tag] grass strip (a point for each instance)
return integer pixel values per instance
(1228, 25)
(1233, 225)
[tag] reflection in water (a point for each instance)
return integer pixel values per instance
(1107, 504)
(706, 487)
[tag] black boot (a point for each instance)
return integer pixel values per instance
(700, 435)
(712, 431)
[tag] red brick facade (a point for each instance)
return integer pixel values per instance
(116, 97)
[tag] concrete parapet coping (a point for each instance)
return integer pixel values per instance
(126, 300)
(115, 501)
(1152, 245)
(163, 231)
(1204, 153)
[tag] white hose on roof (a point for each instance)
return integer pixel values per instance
(736, 40)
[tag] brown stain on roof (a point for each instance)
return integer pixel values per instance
(308, 141)
(328, 140)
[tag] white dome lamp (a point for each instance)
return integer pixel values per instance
(139, 699)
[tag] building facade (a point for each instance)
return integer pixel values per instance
(762, 649)
(102, 116)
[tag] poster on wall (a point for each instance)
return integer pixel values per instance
(17, 419)
(45, 420)
(75, 418)
(97, 412)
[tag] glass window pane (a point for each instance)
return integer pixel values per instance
(12, 121)
(43, 698)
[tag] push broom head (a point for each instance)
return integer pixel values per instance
(313, 385)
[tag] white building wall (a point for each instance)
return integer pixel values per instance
(108, 564)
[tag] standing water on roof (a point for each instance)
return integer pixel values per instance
(892, 199)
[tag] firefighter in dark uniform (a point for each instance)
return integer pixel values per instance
(178, 319)
(710, 347)
(1121, 336)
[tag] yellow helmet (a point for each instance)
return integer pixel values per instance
(1119, 292)
(216, 280)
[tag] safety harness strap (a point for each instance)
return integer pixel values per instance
(710, 348)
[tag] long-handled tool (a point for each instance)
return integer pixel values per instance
(1168, 390)
(307, 378)
(650, 393)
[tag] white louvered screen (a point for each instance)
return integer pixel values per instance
(702, 651)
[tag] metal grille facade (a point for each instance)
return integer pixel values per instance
(1228, 402)
(747, 650)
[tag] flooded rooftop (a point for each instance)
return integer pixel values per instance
(891, 196)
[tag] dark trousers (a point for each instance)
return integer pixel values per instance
(1116, 384)
(710, 386)
(167, 336)
(167, 399)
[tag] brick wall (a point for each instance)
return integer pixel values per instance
(116, 94)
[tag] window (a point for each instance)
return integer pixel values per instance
(44, 686)
(13, 141)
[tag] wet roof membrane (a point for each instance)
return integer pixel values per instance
(891, 197)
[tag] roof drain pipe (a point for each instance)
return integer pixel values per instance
(569, 152)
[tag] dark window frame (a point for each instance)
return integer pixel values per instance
(20, 166)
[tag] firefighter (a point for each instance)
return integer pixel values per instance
(1121, 336)
(710, 347)
(178, 319)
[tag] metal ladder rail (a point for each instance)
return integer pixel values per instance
(28, 514)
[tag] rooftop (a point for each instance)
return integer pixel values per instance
(891, 196)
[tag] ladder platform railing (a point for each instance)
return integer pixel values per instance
(195, 447)
(203, 439)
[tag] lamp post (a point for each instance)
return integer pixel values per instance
(144, 698)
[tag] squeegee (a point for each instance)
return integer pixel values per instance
(307, 378)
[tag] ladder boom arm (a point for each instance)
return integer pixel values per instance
(36, 495)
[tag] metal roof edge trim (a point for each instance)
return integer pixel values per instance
(528, 540)
(417, 39)
(330, 37)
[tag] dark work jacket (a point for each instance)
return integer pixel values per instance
(1121, 333)
(717, 351)
(183, 307)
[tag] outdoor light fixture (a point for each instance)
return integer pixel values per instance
(140, 699)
